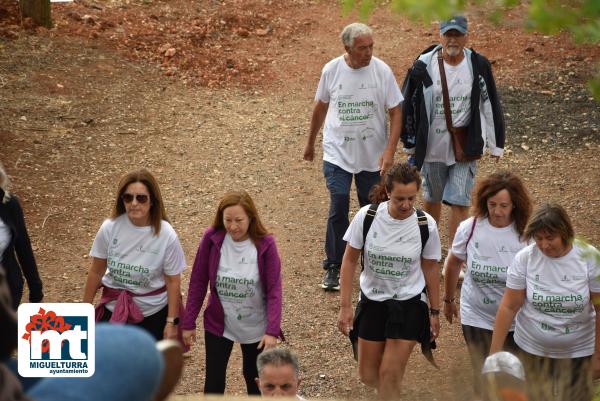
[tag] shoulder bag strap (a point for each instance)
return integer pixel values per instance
(445, 95)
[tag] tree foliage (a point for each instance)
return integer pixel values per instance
(581, 18)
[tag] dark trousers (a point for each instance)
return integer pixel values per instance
(154, 324)
(338, 183)
(568, 379)
(478, 343)
(218, 350)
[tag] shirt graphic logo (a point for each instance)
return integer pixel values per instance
(56, 340)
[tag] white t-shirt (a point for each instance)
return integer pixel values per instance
(460, 84)
(137, 260)
(392, 254)
(240, 292)
(5, 237)
(355, 132)
(557, 319)
(489, 253)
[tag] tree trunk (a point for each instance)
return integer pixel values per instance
(37, 10)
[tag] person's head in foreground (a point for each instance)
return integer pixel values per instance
(278, 373)
(503, 378)
(551, 229)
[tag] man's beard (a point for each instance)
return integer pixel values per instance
(453, 51)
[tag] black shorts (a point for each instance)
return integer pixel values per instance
(377, 323)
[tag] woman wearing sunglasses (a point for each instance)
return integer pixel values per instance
(137, 260)
(238, 260)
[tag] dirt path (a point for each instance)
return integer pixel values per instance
(76, 115)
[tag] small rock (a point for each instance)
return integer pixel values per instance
(73, 15)
(170, 52)
(88, 19)
(162, 49)
(262, 32)
(243, 32)
(524, 146)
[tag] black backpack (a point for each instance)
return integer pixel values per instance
(370, 216)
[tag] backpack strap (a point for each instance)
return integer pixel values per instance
(423, 228)
(369, 217)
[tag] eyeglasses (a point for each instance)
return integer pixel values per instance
(128, 198)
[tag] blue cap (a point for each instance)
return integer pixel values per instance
(458, 22)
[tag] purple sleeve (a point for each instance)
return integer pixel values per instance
(198, 282)
(273, 288)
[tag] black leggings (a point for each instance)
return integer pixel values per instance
(218, 350)
(154, 324)
(478, 343)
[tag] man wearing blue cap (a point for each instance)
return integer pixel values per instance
(444, 138)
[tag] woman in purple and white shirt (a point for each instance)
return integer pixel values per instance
(238, 260)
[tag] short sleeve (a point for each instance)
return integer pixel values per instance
(592, 256)
(459, 245)
(517, 270)
(174, 257)
(433, 247)
(322, 94)
(100, 245)
(354, 234)
(393, 94)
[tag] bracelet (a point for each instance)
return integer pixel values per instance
(449, 301)
(434, 312)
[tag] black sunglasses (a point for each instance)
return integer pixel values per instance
(128, 198)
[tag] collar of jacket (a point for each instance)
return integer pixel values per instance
(218, 236)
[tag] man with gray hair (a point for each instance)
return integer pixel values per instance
(451, 115)
(354, 94)
(278, 373)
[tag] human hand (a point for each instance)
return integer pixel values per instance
(345, 318)
(386, 161)
(267, 342)
(189, 337)
(450, 311)
(309, 152)
(434, 321)
(170, 331)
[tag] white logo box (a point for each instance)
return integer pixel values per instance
(41, 349)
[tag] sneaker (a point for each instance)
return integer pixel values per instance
(172, 354)
(461, 274)
(331, 281)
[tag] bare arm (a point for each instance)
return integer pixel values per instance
(387, 158)
(453, 264)
(94, 278)
(316, 122)
(431, 272)
(349, 262)
(511, 302)
(173, 284)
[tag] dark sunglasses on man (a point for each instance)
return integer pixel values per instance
(128, 198)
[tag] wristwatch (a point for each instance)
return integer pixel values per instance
(173, 320)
